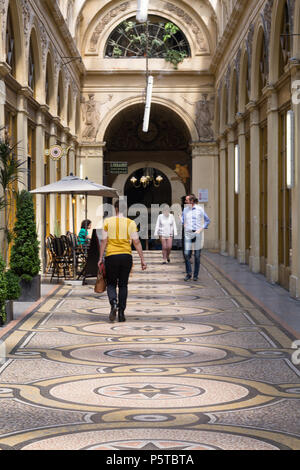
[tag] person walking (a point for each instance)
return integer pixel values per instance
(166, 229)
(118, 234)
(194, 220)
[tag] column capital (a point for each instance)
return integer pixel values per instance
(204, 149)
(295, 68)
(25, 91)
(5, 69)
(251, 106)
(92, 150)
(240, 117)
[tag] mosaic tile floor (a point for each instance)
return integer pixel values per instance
(196, 366)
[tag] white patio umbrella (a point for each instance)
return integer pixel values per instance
(76, 186)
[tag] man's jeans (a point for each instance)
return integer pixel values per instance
(192, 241)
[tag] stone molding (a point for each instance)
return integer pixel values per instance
(203, 149)
(92, 150)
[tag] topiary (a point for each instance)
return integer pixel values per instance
(12, 285)
(24, 260)
(3, 291)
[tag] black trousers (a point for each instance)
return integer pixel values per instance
(118, 268)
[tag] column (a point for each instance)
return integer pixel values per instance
(242, 192)
(272, 268)
(223, 189)
(91, 166)
(52, 164)
(22, 133)
(230, 189)
(2, 134)
(40, 207)
(295, 268)
(72, 166)
(254, 261)
(64, 144)
(205, 176)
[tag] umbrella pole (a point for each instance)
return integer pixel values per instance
(74, 248)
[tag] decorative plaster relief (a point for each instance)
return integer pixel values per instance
(204, 113)
(91, 117)
(103, 22)
(200, 37)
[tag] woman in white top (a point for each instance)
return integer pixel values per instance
(165, 229)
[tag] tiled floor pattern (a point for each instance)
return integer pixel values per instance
(197, 365)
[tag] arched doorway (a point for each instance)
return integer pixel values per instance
(150, 193)
(167, 143)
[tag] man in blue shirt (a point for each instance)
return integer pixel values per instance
(194, 220)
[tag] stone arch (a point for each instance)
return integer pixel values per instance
(178, 189)
(243, 91)
(233, 95)
(60, 93)
(296, 43)
(223, 108)
(17, 24)
(258, 39)
(77, 121)
(104, 22)
(34, 39)
(105, 120)
(49, 71)
(69, 108)
(277, 15)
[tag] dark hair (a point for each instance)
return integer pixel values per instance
(85, 223)
(120, 206)
(193, 198)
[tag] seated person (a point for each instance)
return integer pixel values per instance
(83, 238)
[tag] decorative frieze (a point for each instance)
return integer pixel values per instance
(103, 22)
(200, 37)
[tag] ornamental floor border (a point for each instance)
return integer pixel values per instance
(198, 365)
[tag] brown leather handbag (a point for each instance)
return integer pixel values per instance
(101, 283)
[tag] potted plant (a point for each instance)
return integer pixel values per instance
(13, 292)
(3, 292)
(24, 260)
(10, 170)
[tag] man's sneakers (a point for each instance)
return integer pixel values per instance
(113, 311)
(187, 277)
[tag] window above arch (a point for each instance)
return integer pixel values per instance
(165, 40)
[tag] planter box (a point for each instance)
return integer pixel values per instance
(31, 291)
(9, 310)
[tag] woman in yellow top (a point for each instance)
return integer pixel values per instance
(118, 233)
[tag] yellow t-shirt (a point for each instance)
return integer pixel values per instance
(118, 231)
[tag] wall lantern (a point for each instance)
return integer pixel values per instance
(290, 149)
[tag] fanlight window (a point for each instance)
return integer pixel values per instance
(164, 39)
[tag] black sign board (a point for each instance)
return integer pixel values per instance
(117, 168)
